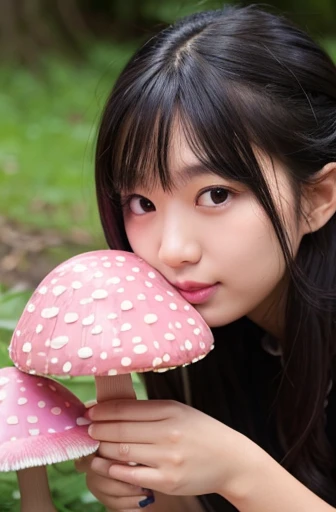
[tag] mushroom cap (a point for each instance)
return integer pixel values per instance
(107, 312)
(41, 422)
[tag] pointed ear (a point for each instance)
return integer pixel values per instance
(320, 198)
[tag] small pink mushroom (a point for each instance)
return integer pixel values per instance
(107, 313)
(41, 423)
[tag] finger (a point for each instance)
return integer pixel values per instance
(124, 504)
(145, 454)
(84, 463)
(124, 431)
(149, 478)
(111, 487)
(131, 410)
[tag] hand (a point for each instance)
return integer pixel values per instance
(112, 494)
(180, 450)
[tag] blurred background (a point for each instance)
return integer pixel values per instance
(58, 61)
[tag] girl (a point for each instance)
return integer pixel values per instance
(216, 164)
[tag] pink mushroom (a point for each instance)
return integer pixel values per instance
(41, 423)
(107, 313)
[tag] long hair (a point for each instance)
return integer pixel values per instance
(241, 78)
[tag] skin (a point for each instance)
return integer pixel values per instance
(187, 237)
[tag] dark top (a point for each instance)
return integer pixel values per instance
(242, 376)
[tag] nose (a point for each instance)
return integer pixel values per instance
(179, 245)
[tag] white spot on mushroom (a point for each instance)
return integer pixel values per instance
(85, 352)
(18, 333)
(140, 349)
(67, 367)
(151, 275)
(178, 325)
(58, 290)
(40, 384)
(99, 294)
(12, 420)
(197, 331)
(86, 301)
(43, 290)
(98, 274)
(130, 278)
(67, 404)
(125, 327)
(22, 401)
(173, 306)
(116, 342)
(150, 318)
(170, 293)
(31, 308)
(202, 345)
(76, 285)
(126, 361)
(148, 284)
(39, 328)
(107, 264)
(41, 404)
(156, 344)
(187, 307)
(49, 312)
(166, 358)
(191, 321)
(104, 258)
(120, 290)
(3, 395)
(159, 298)
(118, 264)
(51, 431)
(22, 389)
(188, 345)
(120, 258)
(59, 342)
(135, 269)
(4, 380)
(47, 343)
(34, 431)
(88, 320)
(82, 421)
(103, 355)
(26, 347)
(70, 318)
(112, 372)
(32, 419)
(156, 361)
(126, 305)
(41, 354)
(113, 280)
(79, 268)
(54, 281)
(52, 387)
(97, 329)
(137, 339)
(56, 411)
(112, 316)
(169, 336)
(141, 296)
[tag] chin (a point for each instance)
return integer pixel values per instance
(217, 318)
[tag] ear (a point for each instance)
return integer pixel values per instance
(320, 198)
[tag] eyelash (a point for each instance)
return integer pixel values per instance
(125, 202)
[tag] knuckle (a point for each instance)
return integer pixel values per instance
(172, 483)
(174, 435)
(175, 458)
(124, 450)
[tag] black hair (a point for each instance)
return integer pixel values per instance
(240, 78)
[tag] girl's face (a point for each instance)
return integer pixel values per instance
(210, 238)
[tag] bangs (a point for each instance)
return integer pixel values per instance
(220, 119)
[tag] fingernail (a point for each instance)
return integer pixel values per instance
(146, 502)
(90, 430)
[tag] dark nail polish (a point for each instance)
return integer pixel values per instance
(146, 502)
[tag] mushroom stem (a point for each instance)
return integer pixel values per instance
(34, 490)
(114, 387)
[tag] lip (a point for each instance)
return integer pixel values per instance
(196, 293)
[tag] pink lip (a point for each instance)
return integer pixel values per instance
(196, 293)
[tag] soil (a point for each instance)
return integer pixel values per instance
(28, 254)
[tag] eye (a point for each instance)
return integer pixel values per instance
(215, 196)
(140, 205)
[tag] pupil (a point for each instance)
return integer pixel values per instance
(146, 205)
(218, 195)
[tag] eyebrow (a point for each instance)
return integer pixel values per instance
(188, 172)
